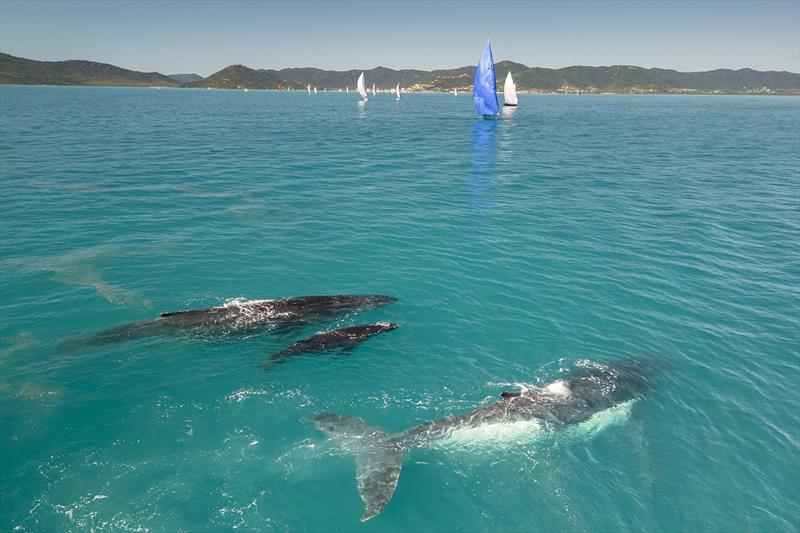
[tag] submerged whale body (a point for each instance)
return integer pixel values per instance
(582, 395)
(338, 339)
(237, 317)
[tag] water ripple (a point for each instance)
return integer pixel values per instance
(595, 227)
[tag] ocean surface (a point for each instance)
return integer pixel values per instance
(572, 228)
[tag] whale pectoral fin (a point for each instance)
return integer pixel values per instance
(647, 468)
(510, 394)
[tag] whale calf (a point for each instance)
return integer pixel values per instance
(239, 317)
(577, 399)
(338, 339)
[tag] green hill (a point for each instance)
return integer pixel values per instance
(186, 78)
(75, 72)
(241, 77)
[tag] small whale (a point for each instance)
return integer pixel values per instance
(338, 339)
(583, 400)
(249, 317)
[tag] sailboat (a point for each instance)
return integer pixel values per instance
(373, 89)
(455, 92)
(484, 89)
(509, 91)
(315, 89)
(397, 91)
(309, 88)
(360, 86)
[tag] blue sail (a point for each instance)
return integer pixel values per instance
(484, 87)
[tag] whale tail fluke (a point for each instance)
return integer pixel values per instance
(379, 458)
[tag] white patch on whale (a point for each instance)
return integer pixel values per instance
(493, 436)
(504, 435)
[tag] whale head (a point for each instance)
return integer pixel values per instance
(617, 381)
(380, 327)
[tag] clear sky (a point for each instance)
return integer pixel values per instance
(205, 36)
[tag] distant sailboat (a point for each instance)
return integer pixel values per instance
(373, 89)
(309, 88)
(509, 91)
(361, 89)
(484, 89)
(397, 91)
(346, 89)
(455, 92)
(315, 89)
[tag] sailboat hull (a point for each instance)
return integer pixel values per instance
(509, 105)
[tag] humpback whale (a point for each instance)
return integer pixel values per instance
(237, 317)
(584, 393)
(338, 339)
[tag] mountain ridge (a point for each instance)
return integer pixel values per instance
(577, 78)
(24, 71)
(186, 78)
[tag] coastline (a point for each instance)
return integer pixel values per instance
(461, 90)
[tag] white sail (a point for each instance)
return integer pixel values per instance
(455, 92)
(309, 88)
(397, 91)
(315, 89)
(360, 86)
(509, 91)
(373, 89)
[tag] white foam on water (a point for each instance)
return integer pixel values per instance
(558, 388)
(238, 302)
(243, 394)
(254, 310)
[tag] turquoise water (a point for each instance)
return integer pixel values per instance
(591, 227)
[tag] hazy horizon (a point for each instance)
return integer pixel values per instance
(204, 37)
